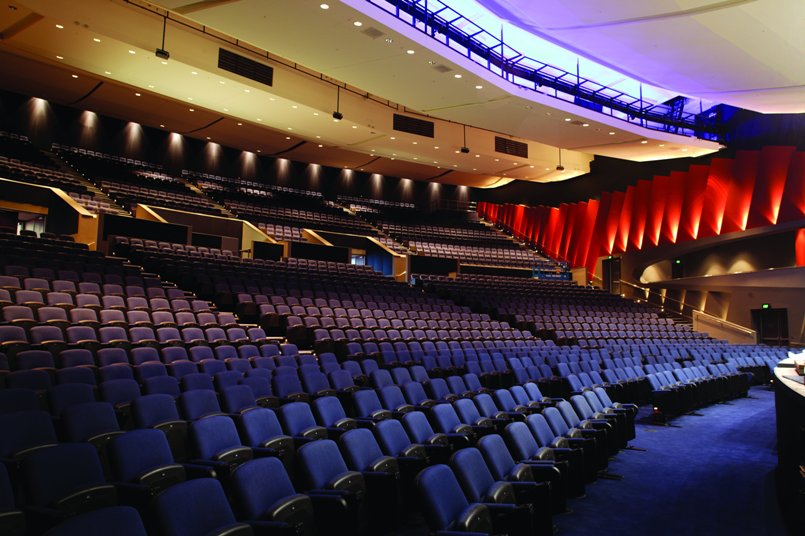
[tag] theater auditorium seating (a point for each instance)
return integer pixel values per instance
(424, 381)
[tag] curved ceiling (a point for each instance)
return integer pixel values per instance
(61, 51)
(747, 53)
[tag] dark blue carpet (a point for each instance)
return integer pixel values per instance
(713, 475)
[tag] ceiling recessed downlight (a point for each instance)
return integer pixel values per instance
(457, 75)
(357, 23)
(324, 6)
(60, 27)
(132, 51)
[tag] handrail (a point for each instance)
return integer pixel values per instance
(648, 291)
(727, 323)
(442, 23)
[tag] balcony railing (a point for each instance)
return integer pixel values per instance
(445, 25)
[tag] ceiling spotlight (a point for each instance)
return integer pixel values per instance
(161, 53)
(560, 167)
(337, 115)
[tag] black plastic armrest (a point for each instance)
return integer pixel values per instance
(236, 529)
(199, 471)
(87, 499)
(348, 481)
(475, 518)
(271, 528)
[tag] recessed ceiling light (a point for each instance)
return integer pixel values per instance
(164, 62)
(662, 145)
(410, 51)
(320, 145)
(240, 124)
(415, 158)
(287, 137)
(477, 156)
(415, 142)
(532, 167)
(294, 106)
(247, 90)
(96, 39)
(435, 146)
(193, 72)
(259, 119)
(457, 75)
(318, 137)
(479, 87)
(161, 126)
(644, 141)
(132, 51)
(315, 113)
(497, 159)
(75, 76)
(221, 82)
(137, 94)
(324, 6)
(684, 150)
(585, 124)
(189, 98)
(455, 165)
(392, 138)
(192, 109)
(259, 151)
(208, 137)
(611, 133)
(60, 27)
(357, 23)
(151, 86)
(226, 109)
(290, 128)
(272, 99)
(389, 40)
(547, 169)
(62, 57)
(568, 119)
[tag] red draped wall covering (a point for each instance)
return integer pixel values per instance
(753, 189)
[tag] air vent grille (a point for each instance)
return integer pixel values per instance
(420, 127)
(514, 148)
(234, 63)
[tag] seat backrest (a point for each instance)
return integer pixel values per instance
(521, 443)
(328, 410)
(198, 403)
(392, 437)
(497, 456)
(138, 451)
(360, 448)
(259, 425)
(154, 409)
(442, 496)
(23, 430)
(258, 484)
(296, 417)
(320, 461)
(472, 473)
(417, 426)
(213, 434)
(540, 429)
(52, 473)
(445, 418)
(90, 419)
(197, 506)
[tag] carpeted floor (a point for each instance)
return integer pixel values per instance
(712, 475)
